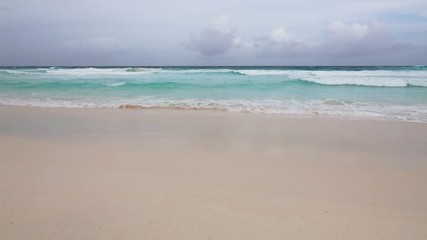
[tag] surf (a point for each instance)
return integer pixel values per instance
(373, 92)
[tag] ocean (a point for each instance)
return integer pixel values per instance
(395, 93)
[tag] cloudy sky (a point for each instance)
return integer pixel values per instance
(213, 32)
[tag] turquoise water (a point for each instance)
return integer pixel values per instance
(374, 92)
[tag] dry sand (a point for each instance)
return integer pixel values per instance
(150, 174)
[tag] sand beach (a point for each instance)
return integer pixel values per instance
(169, 174)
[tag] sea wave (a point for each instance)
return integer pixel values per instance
(206, 71)
(81, 72)
(118, 84)
(399, 77)
(359, 78)
(418, 67)
(141, 70)
(329, 107)
(365, 78)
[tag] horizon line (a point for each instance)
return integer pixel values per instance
(172, 66)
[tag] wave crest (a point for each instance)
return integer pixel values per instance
(118, 84)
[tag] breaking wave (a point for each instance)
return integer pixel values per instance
(415, 76)
(333, 107)
(116, 84)
(378, 92)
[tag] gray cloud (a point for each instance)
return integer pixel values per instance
(278, 43)
(91, 50)
(343, 43)
(4, 8)
(347, 39)
(92, 44)
(366, 44)
(93, 32)
(216, 38)
(340, 40)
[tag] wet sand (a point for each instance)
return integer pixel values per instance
(165, 174)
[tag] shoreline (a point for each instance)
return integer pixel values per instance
(154, 174)
(202, 110)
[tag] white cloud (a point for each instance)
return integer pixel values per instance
(216, 38)
(147, 26)
(340, 40)
(279, 35)
(278, 43)
(338, 30)
(92, 51)
(356, 38)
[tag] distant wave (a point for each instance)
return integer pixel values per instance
(142, 70)
(118, 84)
(419, 67)
(207, 71)
(21, 71)
(256, 72)
(75, 85)
(95, 71)
(415, 76)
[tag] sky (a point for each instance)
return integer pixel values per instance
(212, 32)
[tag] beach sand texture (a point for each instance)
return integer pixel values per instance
(165, 174)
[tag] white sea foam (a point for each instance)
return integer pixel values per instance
(81, 72)
(253, 72)
(413, 113)
(379, 78)
(118, 84)
(364, 78)
(95, 71)
(45, 89)
(24, 71)
(361, 78)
